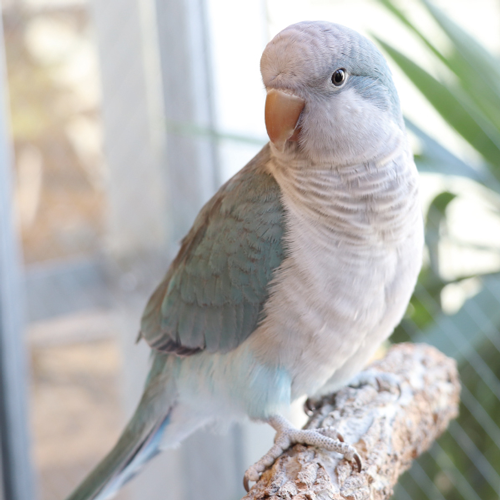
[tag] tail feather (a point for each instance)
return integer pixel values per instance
(140, 440)
(134, 448)
(146, 450)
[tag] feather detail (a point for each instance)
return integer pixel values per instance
(214, 292)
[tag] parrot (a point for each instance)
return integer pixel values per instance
(295, 271)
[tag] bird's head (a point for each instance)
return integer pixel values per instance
(330, 93)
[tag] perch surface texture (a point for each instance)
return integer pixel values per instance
(413, 394)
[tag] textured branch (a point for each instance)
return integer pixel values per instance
(389, 426)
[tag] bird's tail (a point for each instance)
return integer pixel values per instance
(139, 442)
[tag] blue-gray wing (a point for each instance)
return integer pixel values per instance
(213, 294)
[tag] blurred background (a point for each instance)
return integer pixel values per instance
(119, 119)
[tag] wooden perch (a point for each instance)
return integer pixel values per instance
(389, 426)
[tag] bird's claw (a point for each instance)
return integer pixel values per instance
(310, 406)
(246, 481)
(330, 431)
(254, 472)
(359, 463)
(380, 381)
(327, 438)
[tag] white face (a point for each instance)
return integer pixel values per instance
(341, 123)
(345, 128)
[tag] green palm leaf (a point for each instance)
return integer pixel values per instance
(478, 71)
(454, 106)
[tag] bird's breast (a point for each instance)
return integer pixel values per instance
(354, 242)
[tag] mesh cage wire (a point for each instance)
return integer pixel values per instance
(463, 462)
(80, 303)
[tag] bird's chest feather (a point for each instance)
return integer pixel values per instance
(354, 241)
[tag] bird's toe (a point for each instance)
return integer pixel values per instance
(380, 381)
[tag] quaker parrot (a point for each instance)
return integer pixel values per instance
(298, 267)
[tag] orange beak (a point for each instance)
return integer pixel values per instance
(281, 115)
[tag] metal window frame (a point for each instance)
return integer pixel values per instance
(16, 473)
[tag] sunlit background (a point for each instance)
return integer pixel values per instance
(125, 117)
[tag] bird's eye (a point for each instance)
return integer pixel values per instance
(338, 78)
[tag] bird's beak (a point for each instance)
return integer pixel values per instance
(281, 115)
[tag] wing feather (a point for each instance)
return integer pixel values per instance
(213, 295)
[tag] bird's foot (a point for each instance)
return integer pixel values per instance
(381, 381)
(287, 435)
